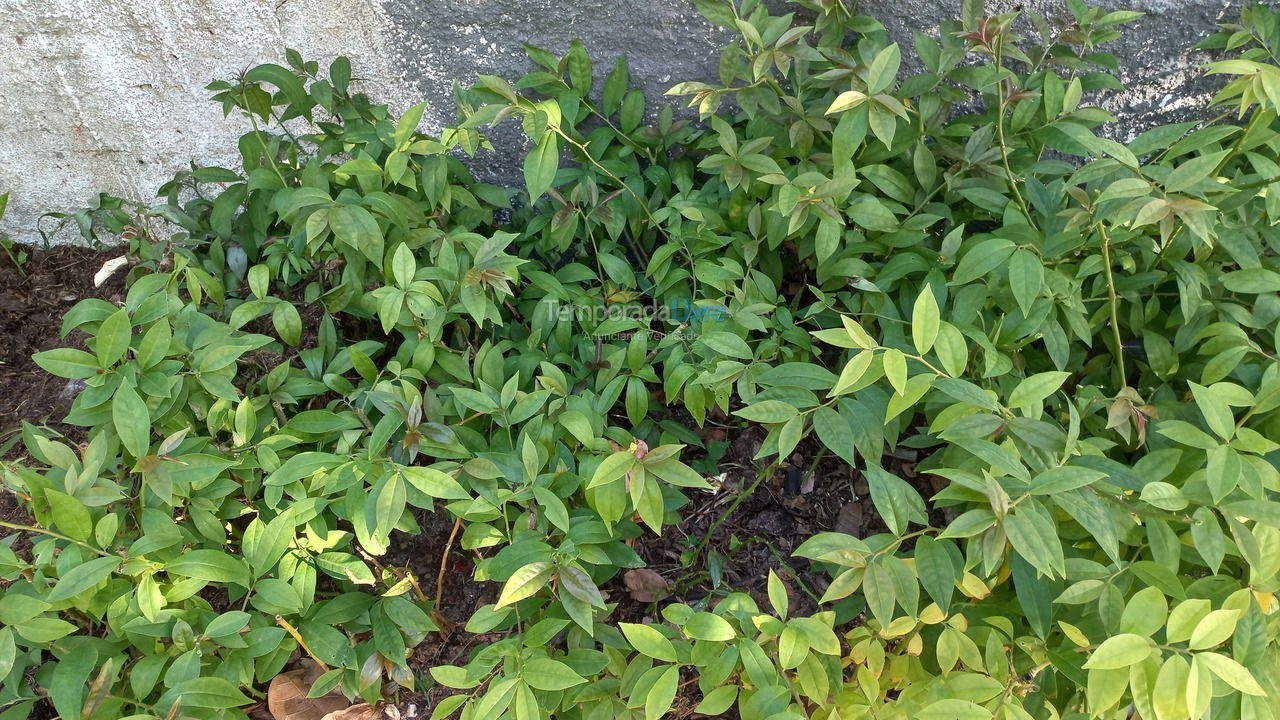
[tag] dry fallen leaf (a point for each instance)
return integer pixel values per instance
(645, 585)
(850, 519)
(287, 696)
(363, 711)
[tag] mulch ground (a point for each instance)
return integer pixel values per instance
(33, 299)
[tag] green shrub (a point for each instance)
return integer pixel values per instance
(1078, 335)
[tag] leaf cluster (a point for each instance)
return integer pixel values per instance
(1077, 335)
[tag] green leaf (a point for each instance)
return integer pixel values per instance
(580, 585)
(1035, 389)
(16, 609)
(82, 577)
(150, 599)
(113, 338)
(1252, 281)
(1145, 613)
(937, 572)
(210, 692)
(676, 473)
(579, 426)
(846, 100)
(793, 647)
(895, 369)
(1119, 651)
(289, 84)
(227, 623)
(878, 587)
(883, 69)
(408, 123)
(1169, 694)
(44, 629)
(768, 411)
(8, 651)
(1026, 279)
(924, 320)
(68, 363)
(897, 502)
(716, 702)
(969, 524)
(548, 674)
(648, 641)
(70, 515)
(525, 583)
(1061, 479)
(953, 709)
(853, 371)
(981, 258)
(778, 595)
(834, 432)
(357, 228)
(1192, 172)
(540, 165)
(287, 322)
(434, 483)
(726, 343)
(612, 468)
(1217, 413)
(1231, 672)
(708, 626)
(870, 212)
(580, 75)
(1214, 629)
(663, 692)
(211, 565)
(1208, 538)
(951, 349)
(615, 86)
(345, 566)
(553, 507)
(1184, 618)
(265, 543)
(1035, 538)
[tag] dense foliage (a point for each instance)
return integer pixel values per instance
(1078, 334)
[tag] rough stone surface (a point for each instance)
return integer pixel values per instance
(108, 95)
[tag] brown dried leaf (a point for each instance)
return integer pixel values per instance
(363, 711)
(287, 696)
(850, 519)
(645, 585)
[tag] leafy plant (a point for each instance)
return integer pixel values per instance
(1078, 335)
(16, 255)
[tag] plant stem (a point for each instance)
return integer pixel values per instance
(50, 533)
(301, 643)
(444, 562)
(760, 476)
(130, 701)
(266, 151)
(1004, 149)
(1113, 302)
(643, 205)
(8, 249)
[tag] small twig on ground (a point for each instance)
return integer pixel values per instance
(444, 563)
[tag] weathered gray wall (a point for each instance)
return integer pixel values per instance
(108, 95)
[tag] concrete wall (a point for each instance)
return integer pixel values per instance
(108, 95)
